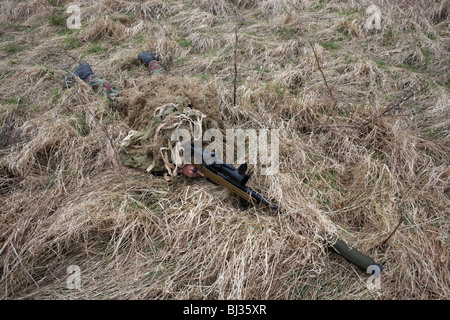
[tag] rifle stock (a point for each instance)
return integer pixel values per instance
(242, 191)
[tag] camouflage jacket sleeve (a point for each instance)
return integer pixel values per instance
(135, 155)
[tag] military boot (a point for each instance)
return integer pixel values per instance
(146, 57)
(83, 71)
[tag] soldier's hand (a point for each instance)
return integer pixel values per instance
(190, 171)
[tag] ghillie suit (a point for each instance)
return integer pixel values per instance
(151, 149)
(155, 109)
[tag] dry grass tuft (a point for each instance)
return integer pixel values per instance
(141, 101)
(13, 11)
(354, 166)
(216, 7)
(148, 9)
(273, 7)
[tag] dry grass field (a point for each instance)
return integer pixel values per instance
(353, 163)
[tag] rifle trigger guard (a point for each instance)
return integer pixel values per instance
(195, 169)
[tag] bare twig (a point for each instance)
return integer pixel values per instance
(392, 233)
(409, 93)
(53, 14)
(235, 65)
(78, 61)
(320, 69)
(165, 31)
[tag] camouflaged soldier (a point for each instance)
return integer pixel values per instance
(147, 149)
(84, 72)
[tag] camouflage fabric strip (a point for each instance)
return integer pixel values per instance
(155, 68)
(104, 87)
(150, 149)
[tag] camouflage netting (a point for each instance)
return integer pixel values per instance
(156, 108)
(141, 101)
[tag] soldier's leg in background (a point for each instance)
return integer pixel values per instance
(85, 73)
(104, 87)
(155, 68)
(150, 61)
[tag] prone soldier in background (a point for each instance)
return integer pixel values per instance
(135, 149)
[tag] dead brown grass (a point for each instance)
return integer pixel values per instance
(346, 168)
